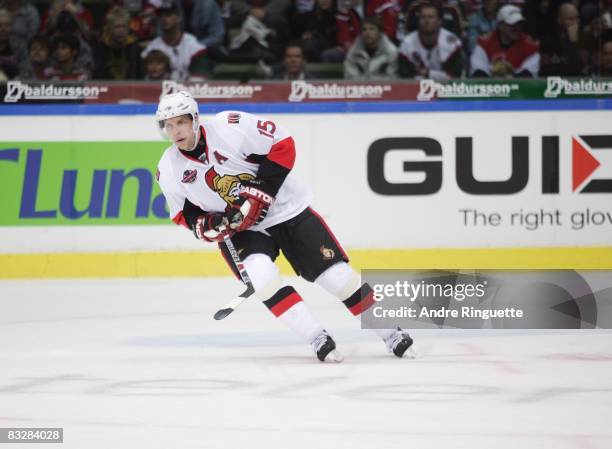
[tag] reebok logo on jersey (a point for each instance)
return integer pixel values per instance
(189, 176)
(233, 118)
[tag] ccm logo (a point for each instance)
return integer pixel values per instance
(584, 164)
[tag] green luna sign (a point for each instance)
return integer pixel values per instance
(82, 183)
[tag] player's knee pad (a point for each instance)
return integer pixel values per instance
(264, 275)
(340, 280)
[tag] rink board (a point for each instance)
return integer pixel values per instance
(479, 184)
(210, 263)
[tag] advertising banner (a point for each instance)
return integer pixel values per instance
(477, 179)
(382, 180)
(80, 183)
(224, 92)
(516, 89)
(307, 91)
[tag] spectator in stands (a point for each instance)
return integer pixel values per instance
(300, 15)
(12, 51)
(134, 7)
(66, 22)
(507, 52)
(66, 51)
(606, 14)
(352, 12)
(561, 52)
(605, 58)
(38, 59)
(431, 51)
(157, 66)
(592, 36)
(317, 31)
(203, 19)
(59, 10)
(293, 66)
(263, 29)
(481, 22)
(348, 23)
(269, 12)
(539, 16)
(387, 11)
(117, 54)
(372, 56)
(450, 16)
(143, 19)
(187, 56)
(25, 20)
(304, 6)
(471, 7)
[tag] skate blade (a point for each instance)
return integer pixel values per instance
(334, 357)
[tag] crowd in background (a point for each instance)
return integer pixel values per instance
(371, 39)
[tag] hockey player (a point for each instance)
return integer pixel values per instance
(233, 174)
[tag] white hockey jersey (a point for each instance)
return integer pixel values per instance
(434, 59)
(235, 144)
(181, 55)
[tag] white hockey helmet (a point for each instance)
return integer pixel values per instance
(175, 105)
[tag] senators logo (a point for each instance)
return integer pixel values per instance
(327, 253)
(227, 186)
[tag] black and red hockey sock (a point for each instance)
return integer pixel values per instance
(361, 300)
(282, 300)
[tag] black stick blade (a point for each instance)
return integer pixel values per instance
(223, 313)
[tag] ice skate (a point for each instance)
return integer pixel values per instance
(325, 348)
(400, 344)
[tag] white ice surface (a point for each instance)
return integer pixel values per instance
(142, 364)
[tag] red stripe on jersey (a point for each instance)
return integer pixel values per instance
(205, 142)
(285, 304)
(363, 305)
(209, 177)
(283, 153)
(331, 234)
(180, 220)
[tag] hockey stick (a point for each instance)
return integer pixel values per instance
(230, 306)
